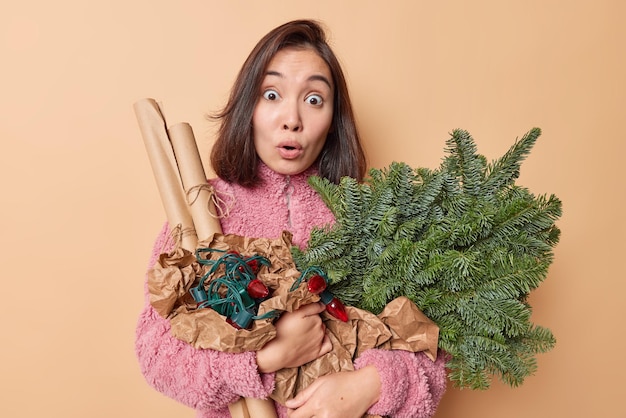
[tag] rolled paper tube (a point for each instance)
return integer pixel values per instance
(239, 409)
(252, 408)
(263, 408)
(168, 173)
(199, 192)
(163, 162)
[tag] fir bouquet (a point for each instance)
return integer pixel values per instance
(463, 242)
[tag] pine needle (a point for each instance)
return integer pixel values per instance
(463, 241)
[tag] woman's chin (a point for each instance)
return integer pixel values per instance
(288, 168)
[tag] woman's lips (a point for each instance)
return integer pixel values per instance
(289, 151)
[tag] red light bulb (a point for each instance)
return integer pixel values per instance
(254, 265)
(241, 319)
(233, 323)
(334, 306)
(316, 284)
(257, 289)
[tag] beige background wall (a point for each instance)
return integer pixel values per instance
(80, 207)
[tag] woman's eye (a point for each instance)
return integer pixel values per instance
(270, 95)
(314, 99)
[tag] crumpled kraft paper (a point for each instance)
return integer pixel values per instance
(401, 325)
(175, 273)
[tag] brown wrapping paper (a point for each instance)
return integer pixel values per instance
(197, 190)
(175, 273)
(401, 325)
(177, 181)
(152, 126)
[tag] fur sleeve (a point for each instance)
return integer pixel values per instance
(412, 384)
(201, 379)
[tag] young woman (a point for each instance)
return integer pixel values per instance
(288, 117)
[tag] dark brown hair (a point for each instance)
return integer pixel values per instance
(234, 157)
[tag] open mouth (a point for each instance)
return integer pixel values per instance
(289, 152)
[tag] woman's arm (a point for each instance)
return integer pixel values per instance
(201, 379)
(209, 379)
(300, 338)
(394, 383)
(411, 384)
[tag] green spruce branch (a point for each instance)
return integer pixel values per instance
(463, 241)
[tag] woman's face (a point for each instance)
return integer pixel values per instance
(294, 112)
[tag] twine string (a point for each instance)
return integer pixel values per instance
(222, 207)
(175, 237)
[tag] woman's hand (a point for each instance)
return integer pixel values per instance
(340, 395)
(300, 338)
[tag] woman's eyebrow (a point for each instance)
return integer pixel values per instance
(320, 77)
(314, 77)
(275, 73)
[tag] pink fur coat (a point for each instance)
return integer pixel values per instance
(207, 380)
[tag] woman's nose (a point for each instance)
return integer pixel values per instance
(291, 115)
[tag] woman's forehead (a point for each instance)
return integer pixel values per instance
(304, 64)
